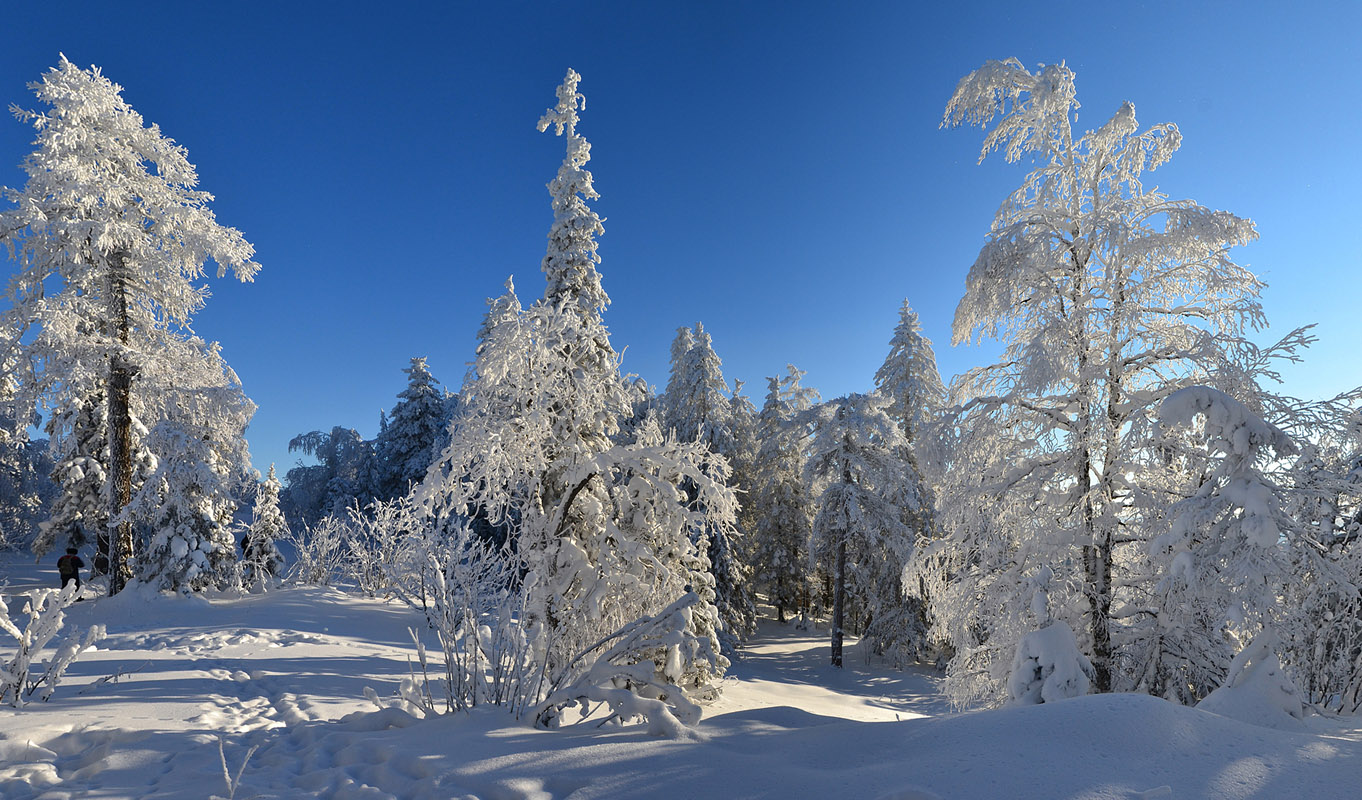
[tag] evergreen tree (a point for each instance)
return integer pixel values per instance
(781, 509)
(268, 526)
(699, 409)
(413, 435)
(856, 469)
(909, 378)
(600, 529)
(113, 235)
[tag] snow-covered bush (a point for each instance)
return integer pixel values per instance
(1048, 667)
(642, 674)
(468, 593)
(319, 551)
(376, 540)
(1257, 690)
(20, 676)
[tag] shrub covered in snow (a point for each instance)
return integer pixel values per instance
(20, 676)
(1256, 689)
(1048, 667)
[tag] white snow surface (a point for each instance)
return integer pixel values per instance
(285, 672)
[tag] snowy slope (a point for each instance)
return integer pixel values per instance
(285, 673)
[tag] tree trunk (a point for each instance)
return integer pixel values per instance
(839, 601)
(121, 374)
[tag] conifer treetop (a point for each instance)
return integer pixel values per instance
(570, 262)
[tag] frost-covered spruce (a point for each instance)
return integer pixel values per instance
(80, 512)
(1108, 296)
(700, 409)
(187, 502)
(781, 508)
(696, 400)
(113, 233)
(570, 261)
(857, 470)
(268, 526)
(413, 435)
(600, 528)
(909, 378)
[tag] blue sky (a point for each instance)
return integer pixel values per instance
(774, 170)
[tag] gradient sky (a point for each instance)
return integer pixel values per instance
(774, 170)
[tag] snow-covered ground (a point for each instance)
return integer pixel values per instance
(283, 674)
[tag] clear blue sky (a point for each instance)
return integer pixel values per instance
(774, 170)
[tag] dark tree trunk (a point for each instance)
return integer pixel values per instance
(121, 374)
(839, 602)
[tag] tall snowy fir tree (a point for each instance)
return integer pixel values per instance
(1108, 296)
(909, 378)
(112, 235)
(599, 528)
(413, 436)
(781, 508)
(864, 487)
(699, 408)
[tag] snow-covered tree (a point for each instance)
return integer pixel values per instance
(25, 490)
(188, 500)
(268, 526)
(413, 435)
(697, 401)
(909, 378)
(112, 235)
(1108, 296)
(781, 509)
(336, 482)
(600, 529)
(698, 408)
(864, 488)
(570, 260)
(80, 513)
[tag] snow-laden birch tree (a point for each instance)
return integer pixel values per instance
(112, 234)
(1108, 296)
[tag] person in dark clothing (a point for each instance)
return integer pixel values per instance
(69, 567)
